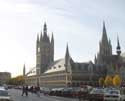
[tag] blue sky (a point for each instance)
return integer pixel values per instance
(78, 22)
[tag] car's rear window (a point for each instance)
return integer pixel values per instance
(114, 92)
(97, 91)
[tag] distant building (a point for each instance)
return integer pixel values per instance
(4, 77)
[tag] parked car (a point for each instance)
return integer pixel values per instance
(56, 92)
(96, 94)
(67, 92)
(45, 90)
(112, 95)
(76, 91)
(4, 96)
(83, 93)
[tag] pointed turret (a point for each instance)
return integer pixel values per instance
(52, 39)
(41, 37)
(110, 47)
(37, 38)
(67, 56)
(37, 43)
(24, 70)
(118, 48)
(52, 48)
(95, 60)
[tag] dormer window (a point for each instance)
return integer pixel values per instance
(59, 66)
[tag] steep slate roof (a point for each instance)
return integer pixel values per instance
(58, 65)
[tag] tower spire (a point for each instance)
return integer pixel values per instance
(118, 48)
(45, 37)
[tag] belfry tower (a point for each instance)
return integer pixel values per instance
(44, 51)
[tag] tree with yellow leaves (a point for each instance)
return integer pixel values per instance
(18, 80)
(108, 81)
(116, 80)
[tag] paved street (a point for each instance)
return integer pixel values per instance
(16, 96)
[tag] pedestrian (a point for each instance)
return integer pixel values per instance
(23, 90)
(38, 91)
(26, 90)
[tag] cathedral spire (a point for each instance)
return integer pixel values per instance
(104, 36)
(118, 48)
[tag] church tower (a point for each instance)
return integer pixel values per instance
(44, 51)
(105, 47)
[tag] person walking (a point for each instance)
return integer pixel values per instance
(38, 91)
(26, 90)
(23, 90)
